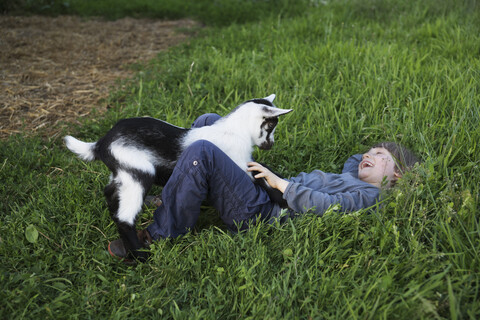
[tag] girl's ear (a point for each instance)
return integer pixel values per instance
(396, 176)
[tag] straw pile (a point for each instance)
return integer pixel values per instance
(53, 71)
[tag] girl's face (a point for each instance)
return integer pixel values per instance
(378, 168)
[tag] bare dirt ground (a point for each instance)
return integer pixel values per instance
(53, 71)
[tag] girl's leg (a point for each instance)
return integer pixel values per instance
(204, 171)
(206, 119)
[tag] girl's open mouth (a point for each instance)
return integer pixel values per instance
(365, 164)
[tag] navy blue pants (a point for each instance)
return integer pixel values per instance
(204, 172)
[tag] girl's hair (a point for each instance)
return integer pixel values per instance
(404, 158)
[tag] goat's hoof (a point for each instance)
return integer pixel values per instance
(117, 250)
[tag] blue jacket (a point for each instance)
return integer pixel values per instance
(317, 191)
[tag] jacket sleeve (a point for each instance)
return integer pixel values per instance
(302, 199)
(351, 165)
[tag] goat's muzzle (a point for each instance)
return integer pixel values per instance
(267, 145)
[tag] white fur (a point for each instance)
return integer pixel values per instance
(270, 97)
(131, 194)
(136, 158)
(83, 149)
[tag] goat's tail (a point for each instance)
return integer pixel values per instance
(84, 150)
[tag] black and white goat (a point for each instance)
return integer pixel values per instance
(141, 152)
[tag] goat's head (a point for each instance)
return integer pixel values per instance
(260, 118)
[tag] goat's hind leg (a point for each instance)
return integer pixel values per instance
(125, 195)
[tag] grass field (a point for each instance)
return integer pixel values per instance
(220, 13)
(355, 72)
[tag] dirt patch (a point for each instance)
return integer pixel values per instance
(53, 71)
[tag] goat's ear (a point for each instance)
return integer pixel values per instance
(270, 97)
(275, 112)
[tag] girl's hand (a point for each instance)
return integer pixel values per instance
(273, 180)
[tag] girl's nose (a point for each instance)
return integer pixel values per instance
(366, 155)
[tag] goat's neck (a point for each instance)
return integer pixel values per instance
(223, 133)
(235, 126)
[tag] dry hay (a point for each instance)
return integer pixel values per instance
(53, 71)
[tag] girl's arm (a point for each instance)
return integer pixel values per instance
(273, 180)
(302, 199)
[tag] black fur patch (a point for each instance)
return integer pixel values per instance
(269, 124)
(152, 134)
(262, 101)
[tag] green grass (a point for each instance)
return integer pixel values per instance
(355, 72)
(220, 13)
